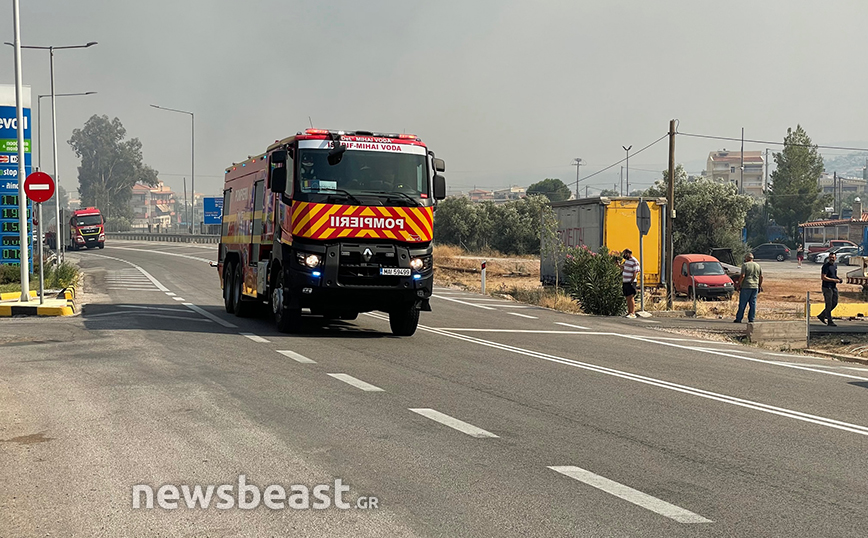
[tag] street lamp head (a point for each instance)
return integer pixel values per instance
(90, 44)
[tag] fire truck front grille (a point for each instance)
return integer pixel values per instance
(360, 265)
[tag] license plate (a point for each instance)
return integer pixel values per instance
(394, 271)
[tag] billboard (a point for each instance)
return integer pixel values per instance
(10, 239)
(213, 209)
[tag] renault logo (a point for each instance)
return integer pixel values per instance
(367, 254)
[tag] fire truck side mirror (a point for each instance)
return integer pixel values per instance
(278, 171)
(439, 187)
(439, 165)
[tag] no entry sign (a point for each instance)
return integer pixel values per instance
(39, 187)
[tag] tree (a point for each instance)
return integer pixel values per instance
(511, 227)
(794, 193)
(709, 214)
(110, 166)
(552, 188)
(609, 192)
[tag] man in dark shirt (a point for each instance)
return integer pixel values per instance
(830, 289)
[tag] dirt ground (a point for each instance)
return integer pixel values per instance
(785, 285)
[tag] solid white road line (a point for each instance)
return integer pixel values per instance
(684, 389)
(254, 337)
(631, 495)
(570, 325)
(358, 383)
(454, 423)
(210, 316)
(531, 331)
(153, 280)
(462, 302)
(296, 357)
(152, 308)
(521, 315)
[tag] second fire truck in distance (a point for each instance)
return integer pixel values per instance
(333, 221)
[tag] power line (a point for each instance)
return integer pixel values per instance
(766, 142)
(617, 163)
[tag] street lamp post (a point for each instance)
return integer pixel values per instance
(51, 49)
(192, 161)
(577, 162)
(39, 119)
(627, 149)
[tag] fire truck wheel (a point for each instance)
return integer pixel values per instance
(287, 320)
(227, 287)
(404, 320)
(240, 307)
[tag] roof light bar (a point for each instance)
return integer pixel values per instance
(403, 136)
(317, 131)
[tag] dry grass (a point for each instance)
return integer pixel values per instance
(783, 298)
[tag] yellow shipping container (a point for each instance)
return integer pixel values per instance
(596, 222)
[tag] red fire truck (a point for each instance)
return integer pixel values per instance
(338, 222)
(86, 229)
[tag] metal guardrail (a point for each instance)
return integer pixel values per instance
(169, 238)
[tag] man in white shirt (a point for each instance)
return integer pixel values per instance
(629, 273)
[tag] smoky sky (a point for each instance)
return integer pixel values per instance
(507, 92)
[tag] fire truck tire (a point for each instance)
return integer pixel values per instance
(240, 307)
(404, 320)
(287, 320)
(228, 273)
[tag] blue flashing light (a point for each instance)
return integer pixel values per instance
(316, 273)
(417, 277)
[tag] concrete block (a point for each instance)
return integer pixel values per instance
(783, 334)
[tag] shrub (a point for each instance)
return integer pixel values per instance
(10, 274)
(593, 279)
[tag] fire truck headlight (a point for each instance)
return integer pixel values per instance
(416, 264)
(309, 260)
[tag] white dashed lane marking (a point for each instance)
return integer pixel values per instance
(454, 423)
(630, 495)
(358, 383)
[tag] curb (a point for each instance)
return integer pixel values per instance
(67, 294)
(14, 295)
(838, 356)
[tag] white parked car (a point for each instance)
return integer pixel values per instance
(839, 251)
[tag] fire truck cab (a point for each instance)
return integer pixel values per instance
(86, 229)
(337, 222)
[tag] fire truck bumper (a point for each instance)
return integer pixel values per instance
(321, 294)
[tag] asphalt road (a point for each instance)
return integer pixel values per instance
(495, 419)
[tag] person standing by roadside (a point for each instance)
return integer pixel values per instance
(629, 272)
(829, 275)
(800, 254)
(749, 284)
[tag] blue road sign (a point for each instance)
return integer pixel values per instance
(213, 206)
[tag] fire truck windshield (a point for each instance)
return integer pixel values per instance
(87, 220)
(365, 173)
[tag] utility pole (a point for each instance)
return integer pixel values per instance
(766, 180)
(622, 180)
(586, 191)
(741, 168)
(627, 149)
(577, 162)
(670, 215)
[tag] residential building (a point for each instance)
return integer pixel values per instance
(480, 195)
(725, 167)
(511, 193)
(848, 185)
(153, 207)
